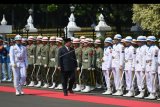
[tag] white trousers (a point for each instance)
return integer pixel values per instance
(117, 78)
(19, 76)
(159, 79)
(107, 78)
(140, 80)
(128, 76)
(151, 82)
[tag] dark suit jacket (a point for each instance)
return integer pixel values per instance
(67, 59)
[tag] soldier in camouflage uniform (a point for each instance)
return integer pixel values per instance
(38, 61)
(52, 61)
(44, 61)
(97, 64)
(31, 53)
(78, 52)
(87, 54)
(57, 75)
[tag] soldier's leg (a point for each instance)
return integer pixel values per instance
(4, 74)
(140, 83)
(148, 81)
(114, 77)
(0, 72)
(9, 72)
(44, 77)
(16, 78)
(87, 80)
(129, 78)
(99, 76)
(29, 72)
(58, 80)
(52, 76)
(118, 81)
(22, 78)
(151, 85)
(39, 75)
(49, 76)
(107, 74)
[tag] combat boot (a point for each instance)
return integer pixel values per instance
(151, 96)
(108, 92)
(31, 84)
(87, 89)
(39, 84)
(118, 93)
(53, 85)
(129, 94)
(141, 95)
(45, 85)
(78, 88)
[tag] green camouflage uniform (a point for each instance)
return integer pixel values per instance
(98, 54)
(52, 62)
(87, 55)
(78, 52)
(38, 60)
(45, 61)
(31, 53)
(57, 76)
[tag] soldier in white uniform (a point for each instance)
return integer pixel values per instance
(129, 54)
(19, 63)
(106, 64)
(151, 67)
(117, 64)
(159, 68)
(140, 65)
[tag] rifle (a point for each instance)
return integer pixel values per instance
(54, 73)
(80, 74)
(47, 74)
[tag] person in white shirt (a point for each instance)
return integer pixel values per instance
(19, 63)
(151, 67)
(159, 68)
(106, 64)
(129, 54)
(140, 65)
(117, 64)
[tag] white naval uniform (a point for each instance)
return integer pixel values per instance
(117, 62)
(159, 67)
(129, 53)
(151, 68)
(106, 64)
(19, 63)
(140, 66)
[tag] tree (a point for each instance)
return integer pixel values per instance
(148, 16)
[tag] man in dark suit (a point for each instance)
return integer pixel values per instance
(67, 65)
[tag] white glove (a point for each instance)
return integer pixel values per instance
(89, 69)
(59, 68)
(93, 69)
(14, 65)
(78, 68)
(45, 65)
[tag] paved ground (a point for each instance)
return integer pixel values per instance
(8, 99)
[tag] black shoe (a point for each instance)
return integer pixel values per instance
(65, 94)
(71, 91)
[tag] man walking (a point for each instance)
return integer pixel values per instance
(67, 65)
(19, 63)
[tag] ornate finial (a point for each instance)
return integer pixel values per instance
(101, 17)
(3, 22)
(30, 20)
(72, 18)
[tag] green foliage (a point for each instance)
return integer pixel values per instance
(52, 7)
(148, 16)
